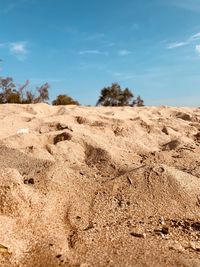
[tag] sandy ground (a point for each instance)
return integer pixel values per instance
(93, 186)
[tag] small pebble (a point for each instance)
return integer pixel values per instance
(165, 230)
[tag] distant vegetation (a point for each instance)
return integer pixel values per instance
(138, 102)
(11, 93)
(64, 100)
(112, 95)
(115, 96)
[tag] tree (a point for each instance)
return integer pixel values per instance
(21, 90)
(43, 93)
(115, 96)
(64, 100)
(21, 94)
(138, 102)
(125, 97)
(8, 94)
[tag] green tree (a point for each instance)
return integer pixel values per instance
(125, 97)
(114, 95)
(64, 100)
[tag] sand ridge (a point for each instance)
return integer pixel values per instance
(96, 186)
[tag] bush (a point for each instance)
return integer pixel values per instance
(138, 102)
(114, 95)
(64, 100)
(14, 97)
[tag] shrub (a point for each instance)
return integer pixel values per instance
(114, 95)
(138, 102)
(64, 100)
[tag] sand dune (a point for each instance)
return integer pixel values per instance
(94, 186)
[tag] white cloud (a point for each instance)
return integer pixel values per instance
(92, 52)
(198, 49)
(191, 39)
(19, 49)
(176, 45)
(195, 37)
(123, 52)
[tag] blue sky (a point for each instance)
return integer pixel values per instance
(151, 46)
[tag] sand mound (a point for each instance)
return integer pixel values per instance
(86, 186)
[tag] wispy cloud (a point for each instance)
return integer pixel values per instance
(93, 52)
(124, 52)
(19, 49)
(175, 45)
(195, 37)
(190, 40)
(198, 49)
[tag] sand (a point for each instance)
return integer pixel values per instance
(96, 186)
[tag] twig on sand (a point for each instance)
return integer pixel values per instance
(136, 168)
(129, 179)
(127, 172)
